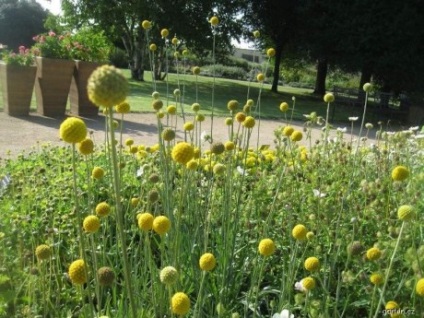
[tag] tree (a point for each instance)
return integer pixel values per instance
(188, 20)
(20, 21)
(276, 20)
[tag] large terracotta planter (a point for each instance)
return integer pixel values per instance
(52, 85)
(17, 86)
(80, 104)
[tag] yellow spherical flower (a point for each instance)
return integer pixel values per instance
(400, 173)
(123, 108)
(180, 304)
(86, 146)
(214, 21)
(106, 276)
(171, 109)
(296, 136)
(168, 275)
(146, 24)
(161, 224)
(135, 202)
(228, 121)
(168, 134)
(373, 254)
(97, 173)
(240, 117)
(308, 283)
(196, 70)
(376, 279)
(310, 235)
(188, 126)
(229, 145)
(91, 224)
(107, 86)
(270, 52)
(284, 107)
(232, 105)
(249, 122)
(390, 305)
(260, 77)
(174, 40)
(288, 130)
(77, 272)
(200, 117)
(419, 288)
(299, 232)
(266, 247)
(157, 104)
(73, 130)
(155, 95)
(185, 52)
(195, 107)
(217, 148)
(145, 221)
(43, 252)
(153, 47)
(219, 169)
(164, 33)
(102, 209)
(312, 264)
(329, 98)
(367, 87)
(256, 34)
(182, 152)
(406, 213)
(192, 164)
(207, 262)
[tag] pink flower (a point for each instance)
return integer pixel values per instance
(61, 37)
(36, 51)
(35, 38)
(51, 33)
(42, 39)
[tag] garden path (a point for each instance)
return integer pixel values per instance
(28, 133)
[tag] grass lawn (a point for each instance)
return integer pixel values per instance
(225, 90)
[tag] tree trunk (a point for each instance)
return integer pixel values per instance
(322, 69)
(133, 48)
(276, 75)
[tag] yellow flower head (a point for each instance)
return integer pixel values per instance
(376, 279)
(219, 169)
(419, 288)
(288, 130)
(270, 52)
(312, 264)
(406, 213)
(232, 105)
(123, 108)
(180, 304)
(296, 135)
(329, 98)
(77, 272)
(164, 33)
(200, 117)
(217, 148)
(171, 109)
(135, 202)
(207, 262)
(249, 122)
(260, 77)
(400, 173)
(161, 224)
(192, 164)
(73, 130)
(146, 24)
(107, 86)
(299, 232)
(373, 254)
(153, 47)
(308, 283)
(195, 107)
(86, 146)
(91, 224)
(390, 305)
(97, 173)
(284, 107)
(102, 209)
(266, 247)
(188, 126)
(106, 276)
(168, 275)
(182, 152)
(196, 70)
(229, 145)
(168, 134)
(43, 252)
(367, 87)
(214, 21)
(228, 121)
(145, 221)
(174, 40)
(157, 104)
(256, 34)
(240, 117)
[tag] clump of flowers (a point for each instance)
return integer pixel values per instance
(51, 45)
(23, 58)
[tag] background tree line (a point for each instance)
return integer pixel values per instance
(382, 40)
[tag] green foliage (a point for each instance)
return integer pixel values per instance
(90, 45)
(232, 72)
(118, 57)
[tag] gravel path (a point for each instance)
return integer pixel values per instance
(27, 133)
